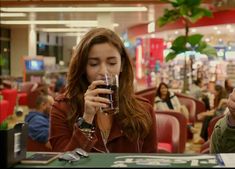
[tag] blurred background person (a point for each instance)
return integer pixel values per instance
(167, 100)
(220, 103)
(223, 136)
(38, 120)
(228, 85)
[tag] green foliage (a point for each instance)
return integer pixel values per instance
(1, 60)
(190, 12)
(4, 125)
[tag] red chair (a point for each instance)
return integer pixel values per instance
(22, 98)
(200, 106)
(148, 93)
(191, 106)
(206, 146)
(33, 145)
(10, 95)
(4, 105)
(168, 133)
(183, 126)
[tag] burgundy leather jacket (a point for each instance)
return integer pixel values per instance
(65, 138)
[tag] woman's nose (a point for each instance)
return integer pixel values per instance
(103, 69)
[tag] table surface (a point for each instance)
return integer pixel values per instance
(98, 160)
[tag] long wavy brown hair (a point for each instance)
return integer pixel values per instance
(133, 116)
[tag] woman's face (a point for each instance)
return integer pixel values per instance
(102, 58)
(163, 90)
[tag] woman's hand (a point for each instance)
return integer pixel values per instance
(93, 102)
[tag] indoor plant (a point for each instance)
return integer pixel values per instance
(189, 12)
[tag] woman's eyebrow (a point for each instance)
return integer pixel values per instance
(112, 57)
(93, 58)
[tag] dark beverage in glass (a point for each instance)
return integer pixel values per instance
(113, 107)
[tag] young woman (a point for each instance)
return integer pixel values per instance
(76, 119)
(166, 100)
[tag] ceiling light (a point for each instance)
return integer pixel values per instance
(70, 34)
(12, 14)
(87, 23)
(63, 30)
(115, 25)
(75, 9)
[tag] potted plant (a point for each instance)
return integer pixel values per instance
(13, 143)
(189, 12)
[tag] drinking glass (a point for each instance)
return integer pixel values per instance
(111, 82)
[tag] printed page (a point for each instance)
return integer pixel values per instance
(228, 159)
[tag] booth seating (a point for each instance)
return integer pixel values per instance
(10, 95)
(29, 92)
(4, 106)
(182, 124)
(22, 98)
(25, 89)
(188, 101)
(148, 93)
(191, 106)
(200, 106)
(168, 142)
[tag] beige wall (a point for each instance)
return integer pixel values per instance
(19, 48)
(68, 43)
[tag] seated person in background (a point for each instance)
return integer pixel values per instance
(38, 119)
(220, 103)
(219, 99)
(228, 86)
(36, 90)
(59, 84)
(223, 136)
(166, 100)
(196, 89)
(76, 116)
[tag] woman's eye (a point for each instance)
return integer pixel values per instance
(112, 63)
(93, 64)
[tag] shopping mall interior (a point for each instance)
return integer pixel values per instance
(38, 39)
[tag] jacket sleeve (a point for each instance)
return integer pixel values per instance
(63, 137)
(39, 129)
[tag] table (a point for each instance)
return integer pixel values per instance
(99, 160)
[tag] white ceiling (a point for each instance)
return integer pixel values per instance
(124, 19)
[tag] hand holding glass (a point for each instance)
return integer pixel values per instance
(111, 82)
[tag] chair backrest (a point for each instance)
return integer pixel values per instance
(4, 105)
(183, 126)
(212, 124)
(148, 93)
(206, 146)
(191, 106)
(10, 95)
(200, 106)
(26, 86)
(33, 145)
(168, 131)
